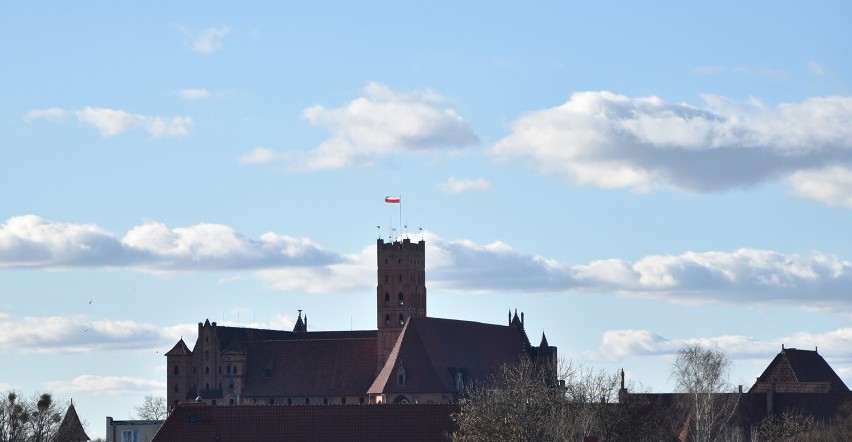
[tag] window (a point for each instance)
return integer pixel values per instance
(220, 369)
(325, 401)
(206, 370)
(401, 319)
(289, 401)
(387, 299)
(361, 400)
(307, 401)
(386, 277)
(387, 319)
(177, 370)
(129, 436)
(271, 401)
(235, 370)
(400, 278)
(228, 369)
(193, 370)
(206, 386)
(231, 402)
(207, 354)
(177, 388)
(401, 376)
(401, 299)
(343, 401)
(231, 385)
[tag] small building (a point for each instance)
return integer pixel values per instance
(139, 430)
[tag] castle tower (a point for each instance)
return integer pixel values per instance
(400, 291)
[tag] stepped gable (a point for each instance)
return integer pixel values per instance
(315, 367)
(433, 351)
(799, 371)
(71, 429)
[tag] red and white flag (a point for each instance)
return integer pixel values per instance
(392, 199)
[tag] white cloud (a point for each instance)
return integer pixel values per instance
(455, 185)
(195, 94)
(263, 155)
(831, 185)
(209, 40)
(619, 344)
(32, 242)
(382, 123)
(80, 334)
(112, 122)
(614, 141)
(106, 385)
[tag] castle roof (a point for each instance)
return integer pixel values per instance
(799, 371)
(71, 429)
(180, 349)
(434, 351)
(199, 422)
(310, 367)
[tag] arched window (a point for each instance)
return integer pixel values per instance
(400, 376)
(401, 299)
(401, 319)
(387, 299)
(177, 388)
(206, 370)
(387, 319)
(177, 370)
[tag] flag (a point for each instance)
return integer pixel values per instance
(392, 199)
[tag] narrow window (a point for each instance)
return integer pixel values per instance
(271, 401)
(206, 370)
(177, 370)
(206, 386)
(307, 401)
(325, 401)
(235, 370)
(343, 401)
(401, 299)
(289, 401)
(387, 299)
(387, 319)
(401, 319)
(220, 369)
(177, 388)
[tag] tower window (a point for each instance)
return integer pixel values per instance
(325, 401)
(177, 370)
(289, 401)
(387, 319)
(386, 277)
(387, 299)
(400, 278)
(177, 388)
(343, 401)
(235, 370)
(401, 299)
(206, 370)
(401, 319)
(307, 401)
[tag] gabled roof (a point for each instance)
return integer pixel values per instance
(71, 429)
(312, 367)
(198, 422)
(799, 371)
(180, 349)
(433, 350)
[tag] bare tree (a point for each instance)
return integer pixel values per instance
(13, 418)
(521, 401)
(45, 415)
(789, 426)
(152, 408)
(707, 402)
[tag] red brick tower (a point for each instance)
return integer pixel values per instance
(400, 291)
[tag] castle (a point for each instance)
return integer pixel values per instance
(409, 358)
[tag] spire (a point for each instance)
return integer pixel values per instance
(71, 429)
(300, 325)
(543, 341)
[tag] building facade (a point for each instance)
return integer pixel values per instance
(410, 357)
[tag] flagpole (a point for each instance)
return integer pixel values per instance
(400, 215)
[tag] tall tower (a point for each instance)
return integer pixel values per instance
(400, 291)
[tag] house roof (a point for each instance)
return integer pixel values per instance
(433, 350)
(233, 337)
(310, 367)
(71, 429)
(198, 422)
(799, 371)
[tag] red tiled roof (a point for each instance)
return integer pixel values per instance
(315, 367)
(799, 371)
(197, 422)
(432, 350)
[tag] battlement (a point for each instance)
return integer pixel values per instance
(405, 244)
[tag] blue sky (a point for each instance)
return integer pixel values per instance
(632, 177)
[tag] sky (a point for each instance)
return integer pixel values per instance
(633, 176)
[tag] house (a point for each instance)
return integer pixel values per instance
(409, 358)
(137, 430)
